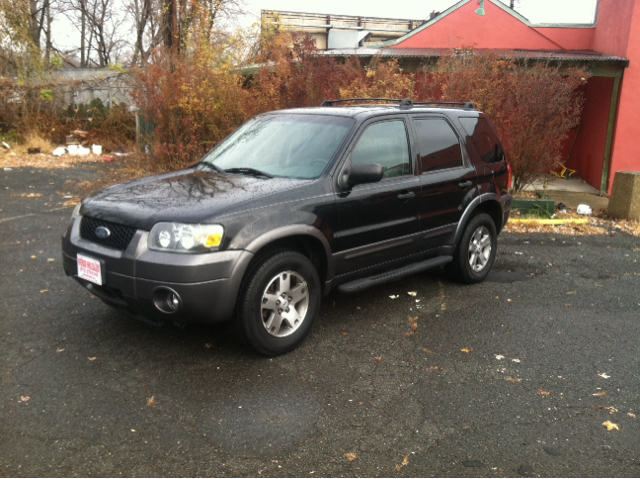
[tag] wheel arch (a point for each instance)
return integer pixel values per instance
(488, 203)
(304, 239)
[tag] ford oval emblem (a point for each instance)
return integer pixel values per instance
(103, 232)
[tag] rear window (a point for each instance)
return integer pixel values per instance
(483, 139)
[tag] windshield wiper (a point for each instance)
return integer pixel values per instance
(249, 171)
(211, 166)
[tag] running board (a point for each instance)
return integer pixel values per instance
(365, 283)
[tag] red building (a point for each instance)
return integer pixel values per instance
(610, 48)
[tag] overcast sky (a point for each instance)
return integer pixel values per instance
(537, 11)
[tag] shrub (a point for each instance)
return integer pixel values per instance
(533, 105)
(380, 79)
(191, 104)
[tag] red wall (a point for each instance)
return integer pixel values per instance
(613, 27)
(588, 153)
(463, 27)
(625, 151)
(570, 38)
(497, 29)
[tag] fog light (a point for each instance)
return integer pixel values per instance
(166, 300)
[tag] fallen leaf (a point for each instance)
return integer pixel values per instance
(515, 360)
(50, 260)
(351, 456)
(414, 326)
(378, 358)
(611, 409)
(513, 380)
(92, 359)
(151, 401)
(610, 426)
(571, 292)
(413, 320)
(412, 293)
(604, 375)
(59, 350)
(499, 357)
(394, 296)
(599, 394)
(29, 195)
(543, 393)
(466, 350)
(24, 398)
(405, 462)
(34, 257)
(510, 300)
(208, 345)
(344, 333)
(630, 414)
(44, 290)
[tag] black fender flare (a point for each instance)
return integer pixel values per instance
(284, 232)
(468, 212)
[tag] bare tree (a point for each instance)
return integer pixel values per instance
(101, 27)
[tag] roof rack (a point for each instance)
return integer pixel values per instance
(403, 103)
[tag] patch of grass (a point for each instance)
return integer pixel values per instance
(31, 140)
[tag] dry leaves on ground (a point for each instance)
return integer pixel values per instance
(599, 224)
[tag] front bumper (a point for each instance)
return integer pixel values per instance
(207, 284)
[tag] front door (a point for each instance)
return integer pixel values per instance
(376, 221)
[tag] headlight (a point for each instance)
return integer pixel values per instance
(76, 210)
(181, 238)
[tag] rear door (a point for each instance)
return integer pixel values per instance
(378, 222)
(447, 177)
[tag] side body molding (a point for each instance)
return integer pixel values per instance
(469, 210)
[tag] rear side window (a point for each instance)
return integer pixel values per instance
(384, 144)
(482, 137)
(439, 145)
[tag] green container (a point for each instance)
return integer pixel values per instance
(531, 206)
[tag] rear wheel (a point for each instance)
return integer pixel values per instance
(476, 251)
(278, 303)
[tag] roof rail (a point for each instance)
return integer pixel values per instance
(403, 103)
(463, 104)
(333, 102)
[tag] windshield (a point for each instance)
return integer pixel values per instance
(294, 146)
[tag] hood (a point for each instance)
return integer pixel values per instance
(187, 196)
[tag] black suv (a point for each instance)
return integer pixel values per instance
(293, 204)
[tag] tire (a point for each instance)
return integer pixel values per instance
(476, 251)
(278, 303)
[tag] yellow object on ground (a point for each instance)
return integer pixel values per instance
(560, 221)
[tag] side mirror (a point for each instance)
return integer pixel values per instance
(365, 174)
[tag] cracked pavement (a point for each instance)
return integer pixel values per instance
(550, 346)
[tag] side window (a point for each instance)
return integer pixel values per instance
(439, 145)
(385, 144)
(483, 139)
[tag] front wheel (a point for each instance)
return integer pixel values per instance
(278, 303)
(476, 251)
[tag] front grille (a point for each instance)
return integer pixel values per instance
(120, 237)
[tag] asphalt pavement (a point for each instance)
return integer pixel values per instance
(522, 375)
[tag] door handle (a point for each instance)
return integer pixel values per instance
(406, 196)
(465, 184)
